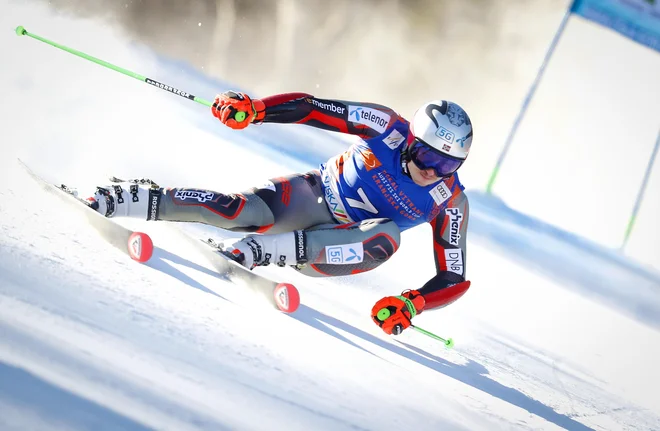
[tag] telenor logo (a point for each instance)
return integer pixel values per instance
(373, 118)
(356, 114)
(344, 254)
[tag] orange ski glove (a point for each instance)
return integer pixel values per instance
(393, 313)
(237, 110)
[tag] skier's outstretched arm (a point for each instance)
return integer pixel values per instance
(449, 283)
(449, 248)
(365, 120)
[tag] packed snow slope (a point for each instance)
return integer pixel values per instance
(555, 333)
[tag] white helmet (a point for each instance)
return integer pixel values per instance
(443, 136)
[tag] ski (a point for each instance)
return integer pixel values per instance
(283, 296)
(137, 245)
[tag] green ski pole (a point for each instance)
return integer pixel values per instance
(447, 342)
(21, 31)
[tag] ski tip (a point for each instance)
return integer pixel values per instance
(287, 297)
(140, 247)
(449, 343)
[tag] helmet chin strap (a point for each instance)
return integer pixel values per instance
(405, 158)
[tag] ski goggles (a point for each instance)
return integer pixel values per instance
(426, 157)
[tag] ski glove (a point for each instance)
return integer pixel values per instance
(393, 313)
(237, 110)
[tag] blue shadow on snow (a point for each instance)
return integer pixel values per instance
(581, 265)
(28, 394)
(159, 261)
(472, 373)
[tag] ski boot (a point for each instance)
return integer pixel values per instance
(137, 198)
(261, 250)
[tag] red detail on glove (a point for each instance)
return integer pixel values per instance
(444, 297)
(399, 317)
(228, 104)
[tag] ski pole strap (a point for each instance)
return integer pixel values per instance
(21, 31)
(410, 305)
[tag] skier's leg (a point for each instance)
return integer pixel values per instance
(282, 204)
(324, 250)
(335, 250)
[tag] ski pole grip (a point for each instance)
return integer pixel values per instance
(240, 116)
(383, 314)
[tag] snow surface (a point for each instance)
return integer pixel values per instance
(555, 333)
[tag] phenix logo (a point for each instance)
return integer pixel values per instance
(455, 218)
(198, 195)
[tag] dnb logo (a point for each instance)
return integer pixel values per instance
(454, 260)
(227, 206)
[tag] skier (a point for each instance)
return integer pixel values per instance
(346, 217)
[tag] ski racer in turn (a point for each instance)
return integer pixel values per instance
(347, 216)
